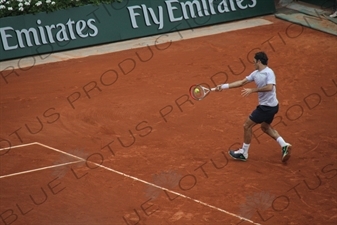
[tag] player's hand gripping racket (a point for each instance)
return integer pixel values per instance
(200, 91)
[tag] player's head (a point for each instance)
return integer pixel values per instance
(261, 57)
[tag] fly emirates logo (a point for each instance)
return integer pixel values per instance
(47, 34)
(178, 11)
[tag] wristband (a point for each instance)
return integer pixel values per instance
(224, 86)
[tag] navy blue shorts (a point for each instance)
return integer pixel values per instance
(263, 113)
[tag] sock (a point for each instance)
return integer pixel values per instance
(245, 148)
(281, 141)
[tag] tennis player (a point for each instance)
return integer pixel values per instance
(264, 113)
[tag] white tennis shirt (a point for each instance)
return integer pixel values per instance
(262, 78)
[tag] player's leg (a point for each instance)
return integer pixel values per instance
(248, 130)
(242, 153)
(251, 121)
(268, 129)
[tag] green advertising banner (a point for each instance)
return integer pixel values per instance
(89, 25)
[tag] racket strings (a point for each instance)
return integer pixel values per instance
(199, 92)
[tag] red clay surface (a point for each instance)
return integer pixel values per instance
(16, 159)
(186, 151)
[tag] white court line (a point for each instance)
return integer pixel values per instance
(42, 168)
(176, 193)
(154, 185)
(120, 173)
(18, 146)
(57, 150)
(38, 143)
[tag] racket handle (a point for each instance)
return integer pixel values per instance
(213, 89)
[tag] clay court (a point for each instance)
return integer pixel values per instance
(116, 139)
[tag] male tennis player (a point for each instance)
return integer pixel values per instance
(264, 113)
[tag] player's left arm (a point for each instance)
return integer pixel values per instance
(270, 82)
(247, 91)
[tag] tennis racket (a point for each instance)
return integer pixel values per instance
(200, 91)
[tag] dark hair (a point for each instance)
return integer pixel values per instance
(262, 57)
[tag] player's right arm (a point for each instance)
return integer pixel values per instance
(235, 84)
(238, 83)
